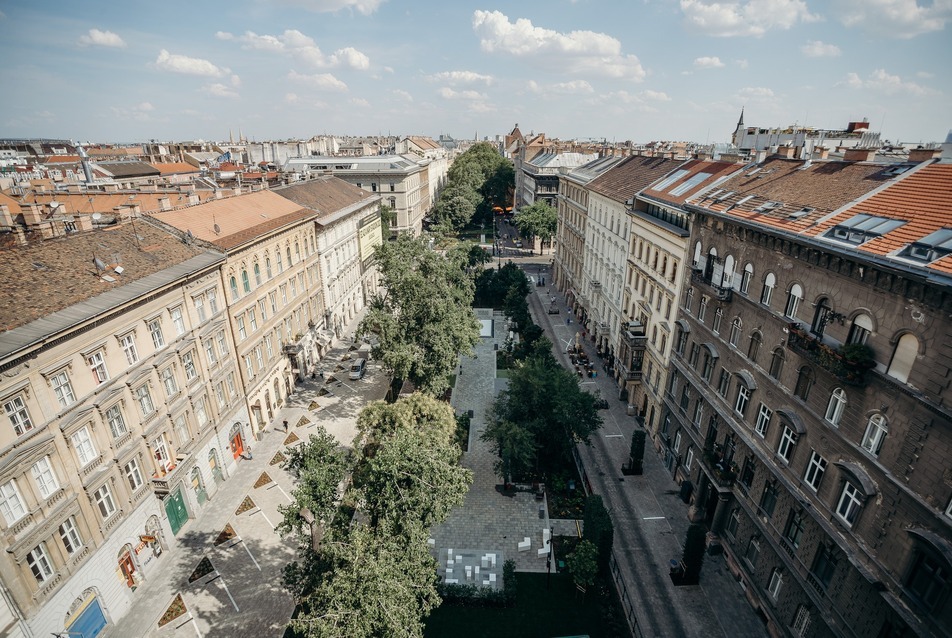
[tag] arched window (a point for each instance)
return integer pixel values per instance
(735, 332)
(245, 283)
(770, 282)
(297, 251)
(267, 266)
(702, 309)
(859, 331)
(754, 348)
(727, 280)
(696, 260)
(793, 301)
(820, 317)
(288, 250)
(804, 383)
(745, 279)
(718, 316)
(280, 264)
(257, 270)
(233, 284)
(904, 355)
(776, 363)
(836, 407)
(875, 434)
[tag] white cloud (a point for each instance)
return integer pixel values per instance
(365, 7)
(291, 98)
(882, 82)
(144, 107)
(359, 101)
(707, 62)
(450, 94)
(189, 66)
(620, 102)
(95, 37)
(400, 94)
(657, 96)
(461, 77)
(217, 89)
(745, 18)
(139, 112)
(894, 18)
(755, 92)
(573, 87)
(925, 75)
(742, 63)
(235, 81)
(817, 49)
(301, 47)
(322, 81)
(576, 52)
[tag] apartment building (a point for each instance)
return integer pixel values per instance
(807, 410)
(116, 388)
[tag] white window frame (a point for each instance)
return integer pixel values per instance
(116, 421)
(776, 582)
(764, 414)
(718, 318)
(816, 468)
(45, 477)
(104, 501)
(155, 331)
(232, 387)
(62, 388)
(689, 458)
(201, 412)
(212, 294)
(210, 352)
(794, 297)
(850, 503)
(242, 331)
(128, 345)
(12, 505)
(220, 394)
(69, 534)
(19, 414)
(40, 564)
(161, 454)
(168, 381)
(801, 621)
(743, 399)
(133, 474)
(222, 344)
(876, 431)
(788, 442)
(188, 364)
(836, 407)
(199, 302)
(178, 320)
(97, 364)
(253, 319)
(181, 431)
(83, 444)
(144, 399)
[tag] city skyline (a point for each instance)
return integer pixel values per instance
(572, 69)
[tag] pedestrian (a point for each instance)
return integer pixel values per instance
(285, 425)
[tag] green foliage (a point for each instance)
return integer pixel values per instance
(476, 596)
(424, 320)
(859, 355)
(477, 179)
(387, 217)
(319, 466)
(493, 286)
(637, 453)
(582, 564)
(538, 220)
(598, 529)
(693, 556)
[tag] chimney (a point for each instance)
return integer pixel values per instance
(218, 194)
(785, 151)
(821, 152)
(165, 203)
(760, 156)
(859, 154)
(6, 220)
(921, 154)
(31, 215)
(83, 223)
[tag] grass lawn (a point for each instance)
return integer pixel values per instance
(559, 610)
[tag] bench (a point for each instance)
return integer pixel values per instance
(525, 544)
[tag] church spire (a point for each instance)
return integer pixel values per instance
(740, 122)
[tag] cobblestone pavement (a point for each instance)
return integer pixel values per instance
(248, 600)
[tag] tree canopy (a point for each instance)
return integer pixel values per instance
(424, 319)
(477, 180)
(537, 220)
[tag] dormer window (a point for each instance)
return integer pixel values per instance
(861, 228)
(930, 248)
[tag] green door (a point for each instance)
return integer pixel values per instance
(175, 509)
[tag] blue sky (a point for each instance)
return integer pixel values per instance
(637, 70)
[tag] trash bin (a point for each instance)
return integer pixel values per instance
(631, 410)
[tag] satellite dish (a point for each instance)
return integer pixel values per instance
(217, 229)
(97, 217)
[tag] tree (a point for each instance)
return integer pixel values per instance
(387, 217)
(599, 529)
(497, 189)
(454, 212)
(582, 564)
(538, 220)
(693, 556)
(424, 320)
(636, 454)
(515, 445)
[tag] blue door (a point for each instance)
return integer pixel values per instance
(88, 622)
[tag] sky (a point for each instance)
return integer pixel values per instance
(614, 70)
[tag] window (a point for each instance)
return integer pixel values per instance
(747, 473)
(161, 452)
(801, 621)
(253, 319)
(776, 582)
(242, 331)
(230, 379)
(718, 317)
(770, 281)
(284, 294)
(724, 383)
(689, 299)
(233, 286)
(753, 552)
(277, 256)
(144, 397)
(734, 336)
(178, 320)
(695, 353)
(702, 309)
(117, 424)
(788, 441)
(181, 431)
(62, 389)
(133, 474)
(861, 228)
(273, 298)
(263, 307)
(97, 363)
(903, 357)
(763, 420)
(245, 282)
(210, 353)
(155, 330)
(45, 478)
(69, 533)
(836, 406)
(212, 294)
(188, 363)
(103, 498)
(83, 444)
(708, 369)
(814, 472)
(257, 271)
(754, 348)
(698, 413)
(768, 500)
(249, 366)
(794, 297)
(860, 329)
(804, 383)
(824, 564)
(288, 250)
(685, 397)
(745, 279)
(40, 565)
(689, 458)
(796, 523)
(776, 363)
(220, 394)
(875, 434)
(128, 344)
(743, 399)
(267, 266)
(293, 287)
(200, 412)
(11, 503)
(199, 303)
(851, 502)
(259, 358)
(682, 342)
(222, 343)
(929, 580)
(168, 381)
(733, 522)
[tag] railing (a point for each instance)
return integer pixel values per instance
(826, 357)
(724, 473)
(624, 597)
(720, 293)
(92, 465)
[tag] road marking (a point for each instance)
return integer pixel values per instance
(614, 436)
(653, 518)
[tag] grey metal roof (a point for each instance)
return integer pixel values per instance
(30, 334)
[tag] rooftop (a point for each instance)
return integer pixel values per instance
(325, 195)
(630, 176)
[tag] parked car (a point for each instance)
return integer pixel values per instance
(358, 369)
(601, 404)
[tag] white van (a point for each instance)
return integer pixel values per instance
(357, 369)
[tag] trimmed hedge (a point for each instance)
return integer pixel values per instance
(477, 596)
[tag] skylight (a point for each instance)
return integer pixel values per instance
(861, 228)
(803, 212)
(724, 196)
(768, 206)
(690, 183)
(931, 247)
(670, 179)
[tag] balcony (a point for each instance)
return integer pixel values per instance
(162, 485)
(723, 473)
(849, 363)
(720, 293)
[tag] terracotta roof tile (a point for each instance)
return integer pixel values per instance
(325, 195)
(716, 171)
(171, 168)
(630, 176)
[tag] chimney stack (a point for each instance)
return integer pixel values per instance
(785, 151)
(165, 203)
(859, 154)
(83, 223)
(31, 215)
(921, 154)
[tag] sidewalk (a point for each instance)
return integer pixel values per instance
(650, 520)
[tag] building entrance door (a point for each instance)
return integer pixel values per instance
(237, 445)
(175, 510)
